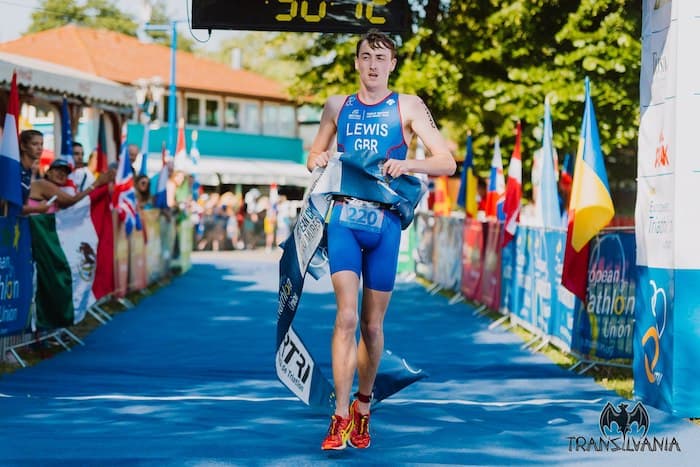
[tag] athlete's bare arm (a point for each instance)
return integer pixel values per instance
(418, 119)
(318, 154)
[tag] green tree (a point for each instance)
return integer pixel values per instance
(161, 16)
(51, 14)
(267, 53)
(483, 64)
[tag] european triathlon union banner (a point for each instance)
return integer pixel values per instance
(352, 174)
(524, 278)
(604, 327)
(15, 274)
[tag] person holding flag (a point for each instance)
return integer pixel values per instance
(378, 121)
(124, 196)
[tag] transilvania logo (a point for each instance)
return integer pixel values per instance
(661, 159)
(623, 429)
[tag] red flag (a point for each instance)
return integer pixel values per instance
(511, 208)
(101, 214)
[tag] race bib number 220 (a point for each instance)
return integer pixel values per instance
(366, 218)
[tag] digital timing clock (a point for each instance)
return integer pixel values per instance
(302, 16)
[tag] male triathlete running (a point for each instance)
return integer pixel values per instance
(382, 121)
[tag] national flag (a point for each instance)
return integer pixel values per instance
(467, 188)
(124, 196)
(511, 206)
(10, 171)
(101, 163)
(181, 157)
(74, 254)
(567, 171)
(274, 199)
(591, 207)
(160, 199)
(548, 200)
(144, 150)
(66, 134)
(496, 193)
(194, 157)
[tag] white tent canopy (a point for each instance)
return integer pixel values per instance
(53, 78)
(212, 170)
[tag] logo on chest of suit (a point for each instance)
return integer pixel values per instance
(356, 114)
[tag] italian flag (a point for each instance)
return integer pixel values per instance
(73, 250)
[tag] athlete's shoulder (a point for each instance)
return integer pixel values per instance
(410, 100)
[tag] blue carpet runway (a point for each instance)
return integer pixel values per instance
(187, 378)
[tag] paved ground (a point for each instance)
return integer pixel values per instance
(188, 378)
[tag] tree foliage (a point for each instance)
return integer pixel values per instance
(481, 65)
(105, 14)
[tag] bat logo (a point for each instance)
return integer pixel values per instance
(623, 419)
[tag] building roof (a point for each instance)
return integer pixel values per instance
(125, 59)
(50, 77)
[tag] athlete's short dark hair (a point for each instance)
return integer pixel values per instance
(375, 38)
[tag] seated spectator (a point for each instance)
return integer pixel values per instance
(54, 183)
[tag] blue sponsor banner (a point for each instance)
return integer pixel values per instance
(685, 323)
(524, 281)
(603, 328)
(508, 282)
(15, 274)
(653, 338)
(531, 286)
(563, 303)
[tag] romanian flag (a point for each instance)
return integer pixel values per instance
(591, 207)
(511, 207)
(496, 194)
(467, 187)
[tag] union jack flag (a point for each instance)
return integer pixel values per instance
(124, 197)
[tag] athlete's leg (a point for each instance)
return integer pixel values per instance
(344, 346)
(345, 258)
(379, 275)
(371, 346)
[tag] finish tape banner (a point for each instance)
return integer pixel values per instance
(352, 174)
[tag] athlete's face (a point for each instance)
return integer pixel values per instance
(374, 65)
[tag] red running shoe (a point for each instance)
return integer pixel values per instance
(359, 435)
(338, 433)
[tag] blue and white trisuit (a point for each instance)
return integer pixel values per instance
(364, 237)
